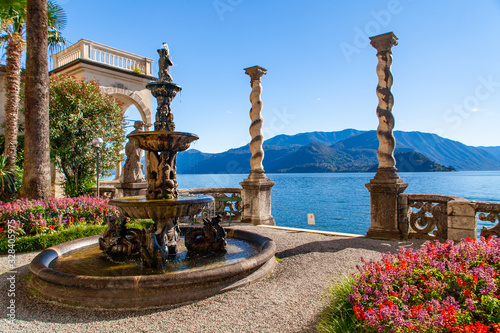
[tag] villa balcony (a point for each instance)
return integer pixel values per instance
(91, 51)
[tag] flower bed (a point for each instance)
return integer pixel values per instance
(443, 287)
(36, 217)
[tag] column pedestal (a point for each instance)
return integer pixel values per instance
(131, 189)
(256, 198)
(384, 189)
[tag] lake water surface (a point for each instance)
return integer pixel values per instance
(341, 202)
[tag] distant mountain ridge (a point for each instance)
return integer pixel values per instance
(302, 139)
(343, 151)
(495, 151)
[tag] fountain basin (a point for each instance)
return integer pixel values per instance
(141, 208)
(163, 89)
(163, 140)
(178, 287)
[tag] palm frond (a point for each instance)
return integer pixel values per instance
(56, 15)
(14, 10)
(56, 41)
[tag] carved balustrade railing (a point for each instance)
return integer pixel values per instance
(227, 202)
(89, 50)
(489, 212)
(442, 217)
(424, 216)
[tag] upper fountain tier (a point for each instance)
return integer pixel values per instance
(164, 91)
(162, 144)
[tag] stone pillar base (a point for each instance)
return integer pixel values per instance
(384, 190)
(256, 198)
(462, 221)
(131, 189)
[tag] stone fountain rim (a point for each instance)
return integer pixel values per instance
(158, 83)
(141, 200)
(40, 267)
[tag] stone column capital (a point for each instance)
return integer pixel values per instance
(255, 72)
(384, 42)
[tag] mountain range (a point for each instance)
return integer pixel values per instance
(349, 150)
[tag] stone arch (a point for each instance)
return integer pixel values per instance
(129, 97)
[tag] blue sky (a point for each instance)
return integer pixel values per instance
(321, 68)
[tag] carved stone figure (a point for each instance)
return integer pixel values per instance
(119, 241)
(162, 183)
(164, 64)
(133, 168)
(212, 238)
(152, 253)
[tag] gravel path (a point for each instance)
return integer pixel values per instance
(290, 300)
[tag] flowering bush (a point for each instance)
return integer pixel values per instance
(32, 217)
(80, 112)
(439, 288)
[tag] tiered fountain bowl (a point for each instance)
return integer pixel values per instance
(104, 272)
(141, 207)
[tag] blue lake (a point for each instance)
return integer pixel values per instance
(341, 202)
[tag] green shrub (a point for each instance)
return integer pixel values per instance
(42, 241)
(339, 316)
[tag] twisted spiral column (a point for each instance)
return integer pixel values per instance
(385, 153)
(387, 215)
(256, 167)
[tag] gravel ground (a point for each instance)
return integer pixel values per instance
(290, 300)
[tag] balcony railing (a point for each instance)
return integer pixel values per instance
(99, 53)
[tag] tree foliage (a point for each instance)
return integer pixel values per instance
(13, 15)
(79, 112)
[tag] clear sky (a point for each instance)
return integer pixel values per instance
(321, 68)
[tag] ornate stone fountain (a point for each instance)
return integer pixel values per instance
(162, 202)
(79, 273)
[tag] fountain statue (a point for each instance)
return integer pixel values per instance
(134, 268)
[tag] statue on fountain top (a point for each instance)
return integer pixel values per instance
(164, 64)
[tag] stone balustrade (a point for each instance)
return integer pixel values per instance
(442, 217)
(89, 50)
(227, 201)
(489, 211)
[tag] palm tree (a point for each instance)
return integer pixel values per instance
(12, 38)
(36, 176)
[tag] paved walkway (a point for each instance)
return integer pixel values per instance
(290, 300)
